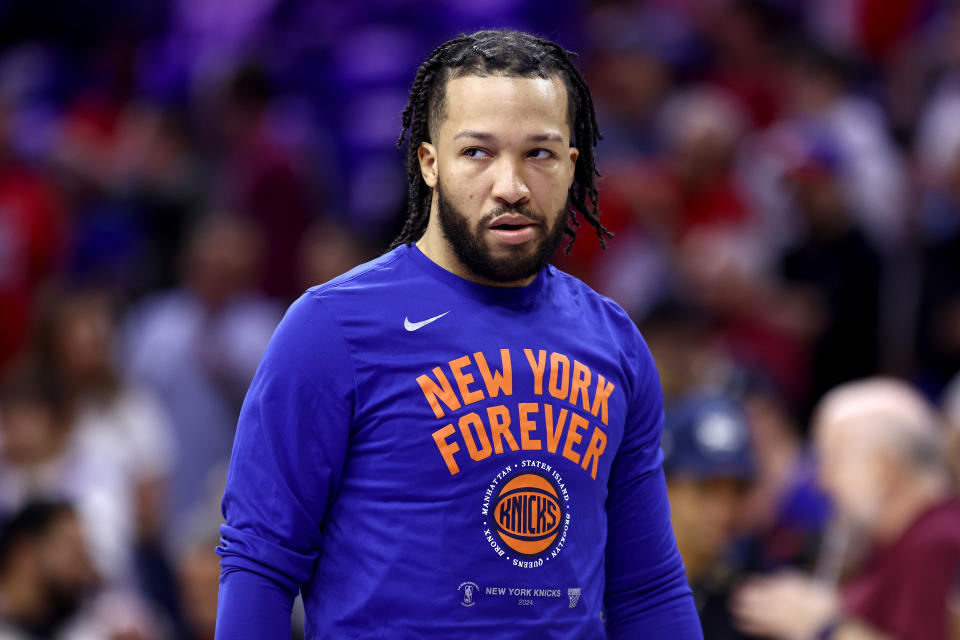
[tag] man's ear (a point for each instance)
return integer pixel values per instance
(574, 154)
(427, 154)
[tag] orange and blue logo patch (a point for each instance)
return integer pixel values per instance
(527, 514)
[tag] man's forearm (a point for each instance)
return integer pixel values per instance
(252, 607)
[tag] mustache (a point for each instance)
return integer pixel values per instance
(499, 211)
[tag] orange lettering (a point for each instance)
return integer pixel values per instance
(604, 389)
(464, 424)
(576, 422)
(581, 380)
(598, 442)
(499, 426)
(537, 366)
(464, 380)
(527, 425)
(444, 392)
(447, 449)
(553, 432)
(556, 360)
(497, 382)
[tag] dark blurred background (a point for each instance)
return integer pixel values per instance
(783, 178)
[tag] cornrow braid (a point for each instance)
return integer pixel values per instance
(509, 53)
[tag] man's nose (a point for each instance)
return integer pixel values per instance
(510, 186)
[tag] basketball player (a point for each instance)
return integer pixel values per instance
(457, 440)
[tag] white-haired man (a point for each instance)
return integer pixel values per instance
(880, 450)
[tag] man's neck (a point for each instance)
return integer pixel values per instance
(903, 508)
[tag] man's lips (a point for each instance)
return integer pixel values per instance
(513, 228)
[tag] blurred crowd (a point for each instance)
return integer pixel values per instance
(783, 179)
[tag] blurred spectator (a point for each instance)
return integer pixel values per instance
(702, 128)
(833, 265)
(49, 588)
(106, 234)
(872, 177)
(41, 460)
(125, 427)
(865, 162)
(132, 181)
(197, 347)
(45, 571)
(880, 450)
(156, 171)
(709, 467)
(119, 427)
(261, 179)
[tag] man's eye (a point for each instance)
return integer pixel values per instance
(474, 152)
(541, 154)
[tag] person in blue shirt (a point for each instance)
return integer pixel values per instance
(457, 440)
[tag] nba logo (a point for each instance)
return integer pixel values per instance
(469, 590)
(574, 595)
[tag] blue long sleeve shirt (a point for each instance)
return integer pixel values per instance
(421, 456)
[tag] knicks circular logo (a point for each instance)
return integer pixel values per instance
(526, 515)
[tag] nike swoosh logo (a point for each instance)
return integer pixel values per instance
(413, 326)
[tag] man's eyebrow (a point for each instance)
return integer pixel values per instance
(481, 135)
(546, 137)
(470, 133)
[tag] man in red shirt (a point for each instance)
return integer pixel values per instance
(881, 455)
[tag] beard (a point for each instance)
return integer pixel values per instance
(519, 262)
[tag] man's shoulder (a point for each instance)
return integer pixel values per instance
(360, 296)
(590, 301)
(380, 270)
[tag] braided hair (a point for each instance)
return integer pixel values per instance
(508, 53)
